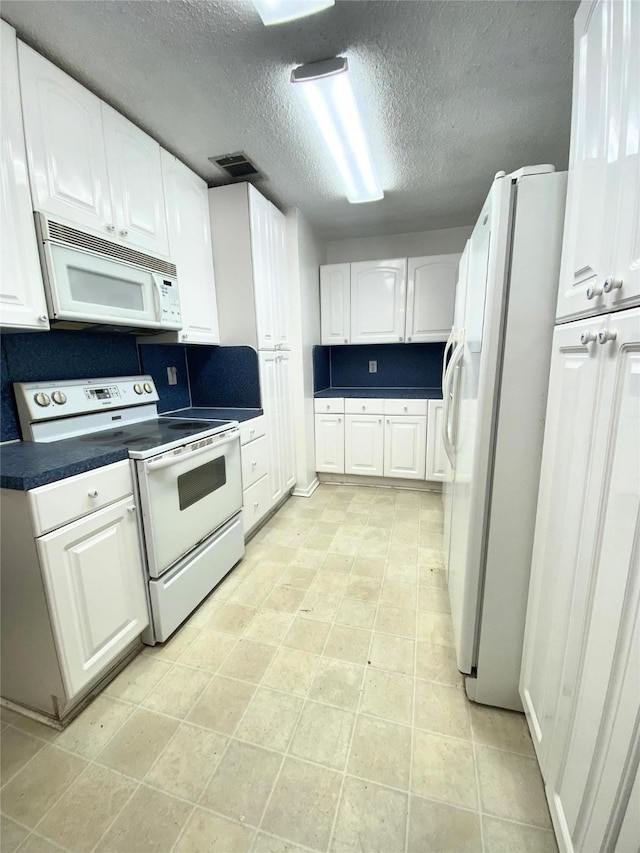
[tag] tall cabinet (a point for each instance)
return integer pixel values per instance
(580, 682)
(250, 261)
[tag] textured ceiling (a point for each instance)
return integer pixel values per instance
(450, 92)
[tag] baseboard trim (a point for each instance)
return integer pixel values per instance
(306, 493)
(381, 482)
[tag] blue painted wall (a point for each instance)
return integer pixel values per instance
(399, 366)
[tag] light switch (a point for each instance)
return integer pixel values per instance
(172, 375)
(373, 367)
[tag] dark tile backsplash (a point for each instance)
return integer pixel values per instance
(219, 376)
(399, 366)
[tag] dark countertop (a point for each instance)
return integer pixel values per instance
(383, 393)
(28, 464)
(212, 413)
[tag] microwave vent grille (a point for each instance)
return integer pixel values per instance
(73, 237)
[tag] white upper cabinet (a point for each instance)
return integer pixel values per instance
(279, 289)
(405, 441)
(264, 274)
(431, 293)
(601, 247)
(89, 167)
(335, 303)
(22, 301)
(135, 175)
(65, 146)
(190, 250)
(378, 298)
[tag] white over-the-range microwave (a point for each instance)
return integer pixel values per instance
(93, 282)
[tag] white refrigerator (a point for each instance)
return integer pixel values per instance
(495, 390)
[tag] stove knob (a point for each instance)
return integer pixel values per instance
(59, 398)
(137, 388)
(42, 399)
(147, 387)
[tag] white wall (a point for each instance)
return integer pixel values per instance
(305, 254)
(444, 242)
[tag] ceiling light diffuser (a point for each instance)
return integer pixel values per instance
(281, 11)
(326, 88)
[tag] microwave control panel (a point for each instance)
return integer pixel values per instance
(169, 303)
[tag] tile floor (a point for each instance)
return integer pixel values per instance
(311, 703)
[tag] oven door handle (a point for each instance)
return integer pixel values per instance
(156, 465)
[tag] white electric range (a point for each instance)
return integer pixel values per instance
(188, 474)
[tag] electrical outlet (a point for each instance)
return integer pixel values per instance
(373, 367)
(172, 375)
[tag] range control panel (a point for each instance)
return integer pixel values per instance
(39, 401)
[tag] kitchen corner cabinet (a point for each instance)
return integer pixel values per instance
(335, 303)
(579, 682)
(90, 167)
(250, 261)
(431, 294)
(22, 300)
(600, 268)
(378, 297)
(190, 250)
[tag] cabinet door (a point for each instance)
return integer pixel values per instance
(556, 587)
(378, 297)
(95, 587)
(437, 462)
(335, 303)
(599, 694)
(279, 279)
(363, 445)
(22, 302)
(135, 175)
(590, 219)
(405, 440)
(190, 250)
(330, 444)
(431, 294)
(65, 146)
(287, 439)
(262, 261)
(626, 263)
(272, 412)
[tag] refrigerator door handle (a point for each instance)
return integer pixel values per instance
(447, 347)
(446, 393)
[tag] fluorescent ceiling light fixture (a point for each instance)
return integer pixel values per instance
(281, 11)
(326, 87)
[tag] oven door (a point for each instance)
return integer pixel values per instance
(186, 497)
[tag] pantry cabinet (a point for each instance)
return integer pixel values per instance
(89, 167)
(22, 300)
(378, 298)
(250, 262)
(190, 250)
(431, 294)
(275, 383)
(579, 681)
(600, 267)
(335, 303)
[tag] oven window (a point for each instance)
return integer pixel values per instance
(201, 481)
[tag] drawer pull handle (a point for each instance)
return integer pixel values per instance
(93, 493)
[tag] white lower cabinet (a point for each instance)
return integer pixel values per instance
(257, 503)
(330, 444)
(93, 576)
(364, 445)
(579, 683)
(255, 452)
(405, 440)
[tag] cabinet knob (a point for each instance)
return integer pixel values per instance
(256, 505)
(364, 408)
(346, 341)
(253, 464)
(409, 338)
(406, 408)
(93, 493)
(184, 337)
(252, 432)
(124, 232)
(379, 420)
(587, 338)
(612, 284)
(111, 227)
(593, 291)
(43, 318)
(400, 338)
(131, 509)
(388, 421)
(339, 420)
(604, 336)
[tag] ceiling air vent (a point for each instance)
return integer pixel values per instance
(236, 166)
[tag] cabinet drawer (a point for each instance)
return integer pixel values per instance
(250, 430)
(363, 406)
(59, 503)
(405, 407)
(254, 461)
(256, 503)
(329, 405)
